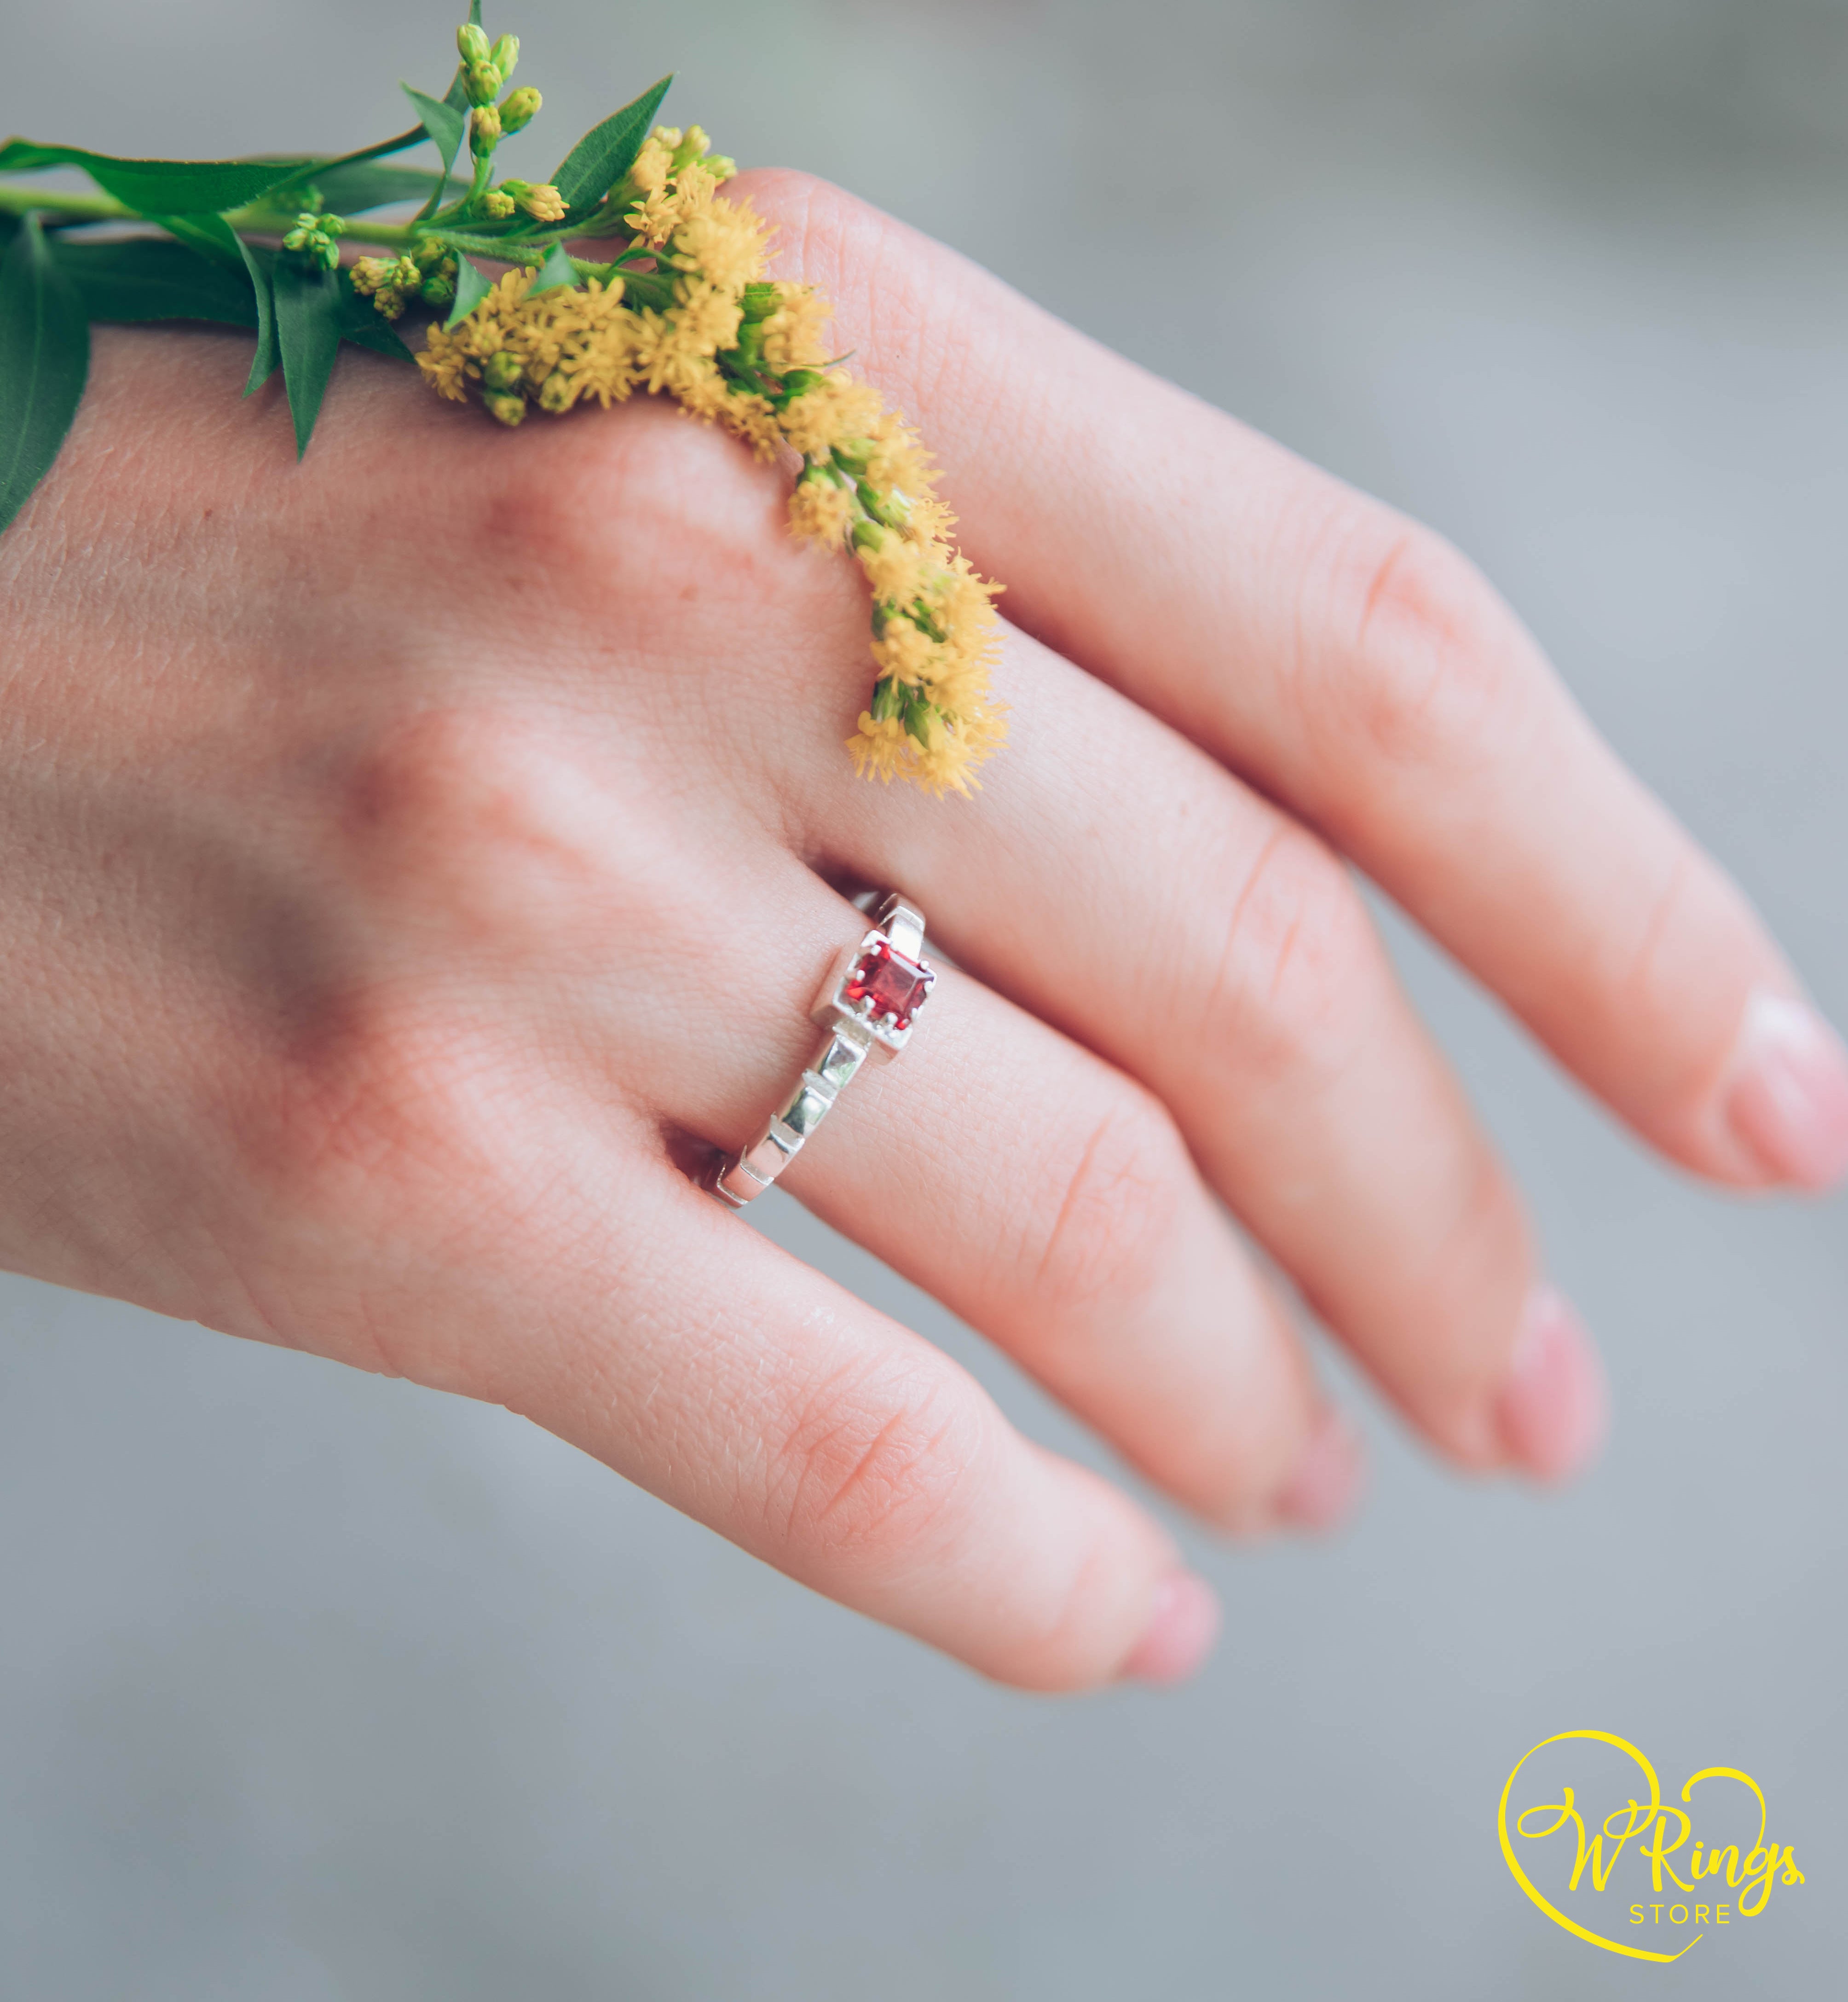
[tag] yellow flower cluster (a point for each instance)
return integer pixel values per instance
(671, 181)
(571, 342)
(389, 281)
(731, 346)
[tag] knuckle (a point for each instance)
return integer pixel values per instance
(454, 851)
(827, 231)
(381, 1122)
(1425, 664)
(634, 506)
(1105, 1231)
(1300, 959)
(928, 320)
(464, 825)
(870, 1465)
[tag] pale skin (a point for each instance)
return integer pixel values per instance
(420, 861)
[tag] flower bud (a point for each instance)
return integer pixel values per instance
(691, 146)
(472, 44)
(505, 54)
(721, 166)
(503, 371)
(437, 291)
(509, 410)
(519, 108)
(484, 129)
(544, 203)
(498, 203)
(483, 83)
(554, 393)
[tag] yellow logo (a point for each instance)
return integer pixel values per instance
(1713, 1882)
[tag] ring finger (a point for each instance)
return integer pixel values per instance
(1041, 1195)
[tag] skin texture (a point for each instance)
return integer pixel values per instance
(420, 860)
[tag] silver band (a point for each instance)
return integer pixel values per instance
(873, 994)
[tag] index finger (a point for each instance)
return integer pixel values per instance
(1358, 669)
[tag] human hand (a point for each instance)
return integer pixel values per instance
(420, 860)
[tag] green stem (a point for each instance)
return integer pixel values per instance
(646, 288)
(266, 222)
(18, 200)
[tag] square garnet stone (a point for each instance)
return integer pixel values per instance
(889, 983)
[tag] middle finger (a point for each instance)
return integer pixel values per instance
(1117, 882)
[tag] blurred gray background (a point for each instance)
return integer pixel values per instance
(316, 1687)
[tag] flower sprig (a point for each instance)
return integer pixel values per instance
(683, 306)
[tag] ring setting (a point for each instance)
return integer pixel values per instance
(870, 1003)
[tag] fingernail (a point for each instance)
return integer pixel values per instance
(1327, 1477)
(1552, 1409)
(1789, 1102)
(1183, 1626)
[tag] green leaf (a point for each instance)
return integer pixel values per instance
(352, 189)
(159, 188)
(473, 285)
(144, 278)
(44, 361)
(456, 97)
(260, 264)
(210, 235)
(362, 323)
(308, 333)
(445, 124)
(606, 152)
(317, 166)
(556, 271)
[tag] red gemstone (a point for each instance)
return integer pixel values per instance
(890, 983)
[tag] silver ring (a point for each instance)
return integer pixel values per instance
(874, 994)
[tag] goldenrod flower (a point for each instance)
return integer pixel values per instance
(895, 568)
(836, 408)
(904, 653)
(518, 108)
(752, 355)
(723, 242)
(544, 203)
(654, 163)
(822, 512)
(792, 334)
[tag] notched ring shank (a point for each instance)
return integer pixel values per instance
(871, 999)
